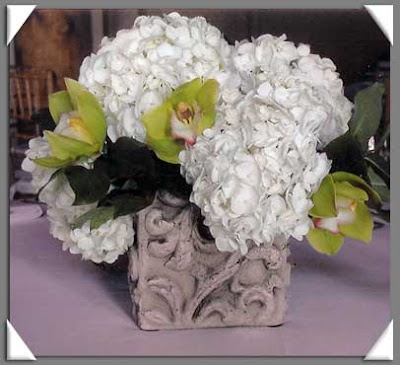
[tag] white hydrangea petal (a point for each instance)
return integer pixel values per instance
(253, 180)
(140, 67)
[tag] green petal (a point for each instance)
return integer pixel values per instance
(92, 115)
(158, 133)
(59, 103)
(359, 182)
(324, 200)
(207, 96)
(157, 122)
(207, 121)
(347, 190)
(74, 89)
(361, 228)
(64, 148)
(167, 149)
(186, 92)
(324, 241)
(52, 162)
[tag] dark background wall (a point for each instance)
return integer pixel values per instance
(57, 40)
(349, 37)
(60, 39)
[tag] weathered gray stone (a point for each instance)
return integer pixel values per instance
(178, 279)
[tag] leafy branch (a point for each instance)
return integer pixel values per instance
(124, 180)
(352, 152)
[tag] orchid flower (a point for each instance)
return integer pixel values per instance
(340, 211)
(180, 119)
(81, 126)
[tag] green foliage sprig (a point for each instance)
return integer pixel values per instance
(351, 153)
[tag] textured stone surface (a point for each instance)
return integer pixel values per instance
(178, 278)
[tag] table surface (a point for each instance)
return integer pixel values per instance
(61, 305)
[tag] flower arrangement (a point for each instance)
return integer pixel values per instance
(243, 131)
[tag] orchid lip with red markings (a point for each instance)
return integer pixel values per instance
(345, 215)
(340, 211)
(184, 122)
(181, 118)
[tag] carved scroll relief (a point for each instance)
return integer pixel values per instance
(178, 278)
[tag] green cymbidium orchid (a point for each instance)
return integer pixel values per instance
(81, 126)
(339, 210)
(188, 111)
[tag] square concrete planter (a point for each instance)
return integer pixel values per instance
(178, 278)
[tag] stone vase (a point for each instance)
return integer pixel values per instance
(178, 279)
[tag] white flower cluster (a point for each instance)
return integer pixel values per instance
(135, 71)
(254, 172)
(294, 80)
(104, 244)
(253, 175)
(38, 148)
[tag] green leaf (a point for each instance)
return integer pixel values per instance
(59, 103)
(324, 241)
(170, 179)
(89, 186)
(380, 166)
(127, 202)
(129, 159)
(64, 148)
(346, 155)
(385, 136)
(92, 115)
(361, 228)
(359, 182)
(384, 214)
(347, 190)
(186, 92)
(74, 89)
(96, 216)
(379, 185)
(52, 177)
(368, 111)
(207, 96)
(324, 199)
(52, 162)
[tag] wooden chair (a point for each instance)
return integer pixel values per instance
(29, 90)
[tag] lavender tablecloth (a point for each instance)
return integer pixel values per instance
(61, 305)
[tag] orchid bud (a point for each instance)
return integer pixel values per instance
(81, 126)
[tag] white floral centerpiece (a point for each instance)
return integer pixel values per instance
(168, 113)
(134, 72)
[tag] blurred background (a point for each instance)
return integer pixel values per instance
(52, 44)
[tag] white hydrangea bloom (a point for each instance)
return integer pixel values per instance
(291, 78)
(253, 174)
(138, 69)
(106, 243)
(38, 148)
